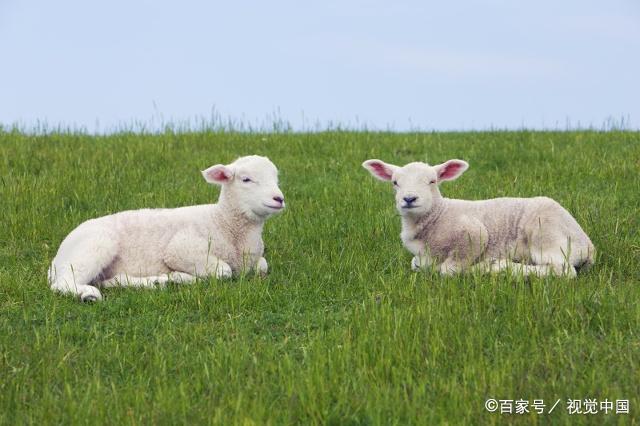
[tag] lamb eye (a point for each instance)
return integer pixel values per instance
(432, 182)
(246, 179)
(395, 183)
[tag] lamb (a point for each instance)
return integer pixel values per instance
(142, 248)
(528, 236)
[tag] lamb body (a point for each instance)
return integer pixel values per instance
(538, 234)
(148, 246)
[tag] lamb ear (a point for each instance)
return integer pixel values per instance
(451, 169)
(218, 174)
(379, 169)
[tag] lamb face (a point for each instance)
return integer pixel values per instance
(415, 184)
(250, 184)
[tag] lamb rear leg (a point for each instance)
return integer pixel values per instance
(553, 267)
(75, 282)
(555, 261)
(82, 257)
(516, 269)
(152, 282)
(262, 267)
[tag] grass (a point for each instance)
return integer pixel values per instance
(340, 332)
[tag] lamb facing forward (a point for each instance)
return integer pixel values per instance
(142, 247)
(530, 236)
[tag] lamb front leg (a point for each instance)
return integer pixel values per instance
(205, 267)
(450, 266)
(469, 243)
(191, 255)
(209, 265)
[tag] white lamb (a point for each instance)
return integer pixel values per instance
(538, 234)
(140, 248)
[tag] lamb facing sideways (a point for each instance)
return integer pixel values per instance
(140, 248)
(530, 236)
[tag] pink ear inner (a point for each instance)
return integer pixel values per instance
(450, 170)
(218, 174)
(380, 170)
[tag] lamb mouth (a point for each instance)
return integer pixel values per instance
(275, 207)
(409, 207)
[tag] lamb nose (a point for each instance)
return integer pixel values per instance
(279, 199)
(409, 200)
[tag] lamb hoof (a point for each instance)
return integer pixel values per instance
(262, 267)
(415, 267)
(223, 271)
(90, 295)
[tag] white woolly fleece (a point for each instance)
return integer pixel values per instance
(530, 236)
(144, 247)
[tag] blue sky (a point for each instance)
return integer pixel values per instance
(405, 64)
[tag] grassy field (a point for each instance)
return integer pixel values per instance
(341, 331)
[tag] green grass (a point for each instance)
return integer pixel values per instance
(341, 331)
